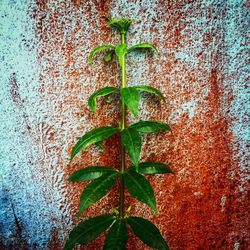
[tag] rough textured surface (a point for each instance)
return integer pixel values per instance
(45, 82)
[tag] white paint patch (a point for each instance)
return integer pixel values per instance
(236, 85)
(189, 107)
(223, 202)
(198, 194)
(236, 245)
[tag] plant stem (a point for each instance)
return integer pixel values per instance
(123, 126)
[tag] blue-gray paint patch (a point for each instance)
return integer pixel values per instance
(29, 206)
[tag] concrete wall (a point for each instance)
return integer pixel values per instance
(201, 69)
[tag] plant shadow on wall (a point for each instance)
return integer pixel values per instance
(133, 178)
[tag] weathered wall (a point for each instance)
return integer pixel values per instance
(45, 83)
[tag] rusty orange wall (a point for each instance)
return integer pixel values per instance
(201, 69)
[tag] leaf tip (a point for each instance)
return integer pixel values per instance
(79, 213)
(70, 161)
(90, 60)
(156, 210)
(169, 128)
(71, 158)
(69, 179)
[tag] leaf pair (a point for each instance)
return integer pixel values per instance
(129, 95)
(120, 50)
(105, 177)
(118, 234)
(131, 138)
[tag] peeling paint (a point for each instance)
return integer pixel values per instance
(223, 202)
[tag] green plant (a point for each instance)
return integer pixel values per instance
(103, 177)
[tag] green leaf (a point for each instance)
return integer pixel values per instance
(93, 136)
(120, 51)
(131, 140)
(147, 232)
(117, 236)
(101, 92)
(90, 173)
(139, 187)
(150, 126)
(97, 189)
(109, 55)
(154, 168)
(142, 46)
(150, 90)
(88, 230)
(99, 49)
(131, 97)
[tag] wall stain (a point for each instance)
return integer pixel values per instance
(14, 91)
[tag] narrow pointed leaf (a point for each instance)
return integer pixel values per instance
(97, 50)
(109, 55)
(131, 140)
(90, 173)
(97, 189)
(142, 46)
(88, 230)
(131, 98)
(151, 90)
(139, 187)
(93, 136)
(147, 232)
(150, 126)
(117, 236)
(101, 92)
(120, 51)
(154, 168)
